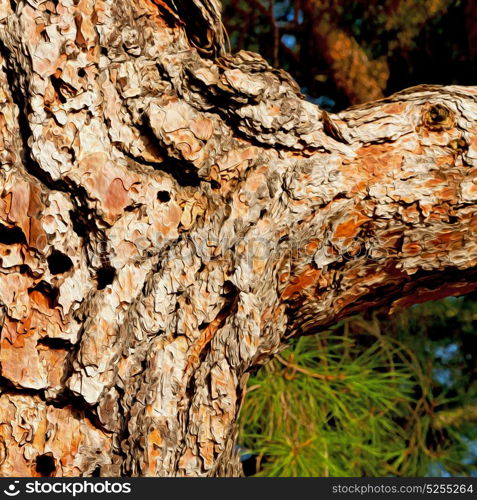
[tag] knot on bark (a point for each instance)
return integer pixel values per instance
(438, 117)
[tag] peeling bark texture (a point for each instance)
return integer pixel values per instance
(170, 214)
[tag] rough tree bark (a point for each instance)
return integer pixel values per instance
(171, 214)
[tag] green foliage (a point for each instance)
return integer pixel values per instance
(369, 398)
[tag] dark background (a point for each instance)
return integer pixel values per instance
(406, 42)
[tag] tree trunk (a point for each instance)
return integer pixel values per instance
(171, 214)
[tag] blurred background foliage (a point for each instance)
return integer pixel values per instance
(345, 52)
(378, 395)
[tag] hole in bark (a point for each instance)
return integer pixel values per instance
(453, 219)
(23, 268)
(105, 276)
(143, 365)
(50, 292)
(58, 262)
(81, 72)
(54, 343)
(214, 184)
(11, 235)
(79, 226)
(183, 173)
(230, 290)
(45, 465)
(163, 196)
(438, 113)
